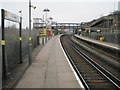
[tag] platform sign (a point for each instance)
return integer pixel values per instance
(5, 15)
(59, 29)
(12, 17)
(43, 32)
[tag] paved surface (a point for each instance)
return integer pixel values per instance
(50, 69)
(19, 70)
(111, 45)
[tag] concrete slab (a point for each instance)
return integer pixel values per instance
(69, 85)
(50, 69)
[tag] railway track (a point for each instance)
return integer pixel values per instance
(114, 54)
(92, 75)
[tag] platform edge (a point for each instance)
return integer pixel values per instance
(76, 76)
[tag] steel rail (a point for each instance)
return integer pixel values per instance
(75, 68)
(115, 81)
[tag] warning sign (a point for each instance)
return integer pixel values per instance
(49, 33)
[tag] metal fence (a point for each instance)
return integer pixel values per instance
(25, 41)
(109, 37)
(13, 46)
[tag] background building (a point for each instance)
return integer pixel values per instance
(119, 5)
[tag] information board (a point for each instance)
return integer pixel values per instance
(43, 32)
(12, 17)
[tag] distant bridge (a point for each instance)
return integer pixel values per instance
(59, 25)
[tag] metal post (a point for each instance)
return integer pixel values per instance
(64, 26)
(108, 30)
(20, 38)
(73, 28)
(69, 26)
(3, 44)
(117, 27)
(43, 28)
(30, 38)
(77, 28)
(56, 25)
(118, 20)
(46, 29)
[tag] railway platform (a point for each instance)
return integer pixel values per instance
(105, 44)
(50, 69)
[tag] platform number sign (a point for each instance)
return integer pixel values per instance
(12, 17)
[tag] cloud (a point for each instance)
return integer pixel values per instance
(61, 11)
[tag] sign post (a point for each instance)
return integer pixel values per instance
(20, 39)
(3, 43)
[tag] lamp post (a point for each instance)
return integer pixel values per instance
(30, 38)
(46, 10)
(42, 30)
(51, 19)
(51, 25)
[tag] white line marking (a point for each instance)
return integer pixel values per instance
(76, 76)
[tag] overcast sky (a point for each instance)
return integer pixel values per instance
(62, 10)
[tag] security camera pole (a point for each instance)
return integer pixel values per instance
(30, 38)
(30, 43)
